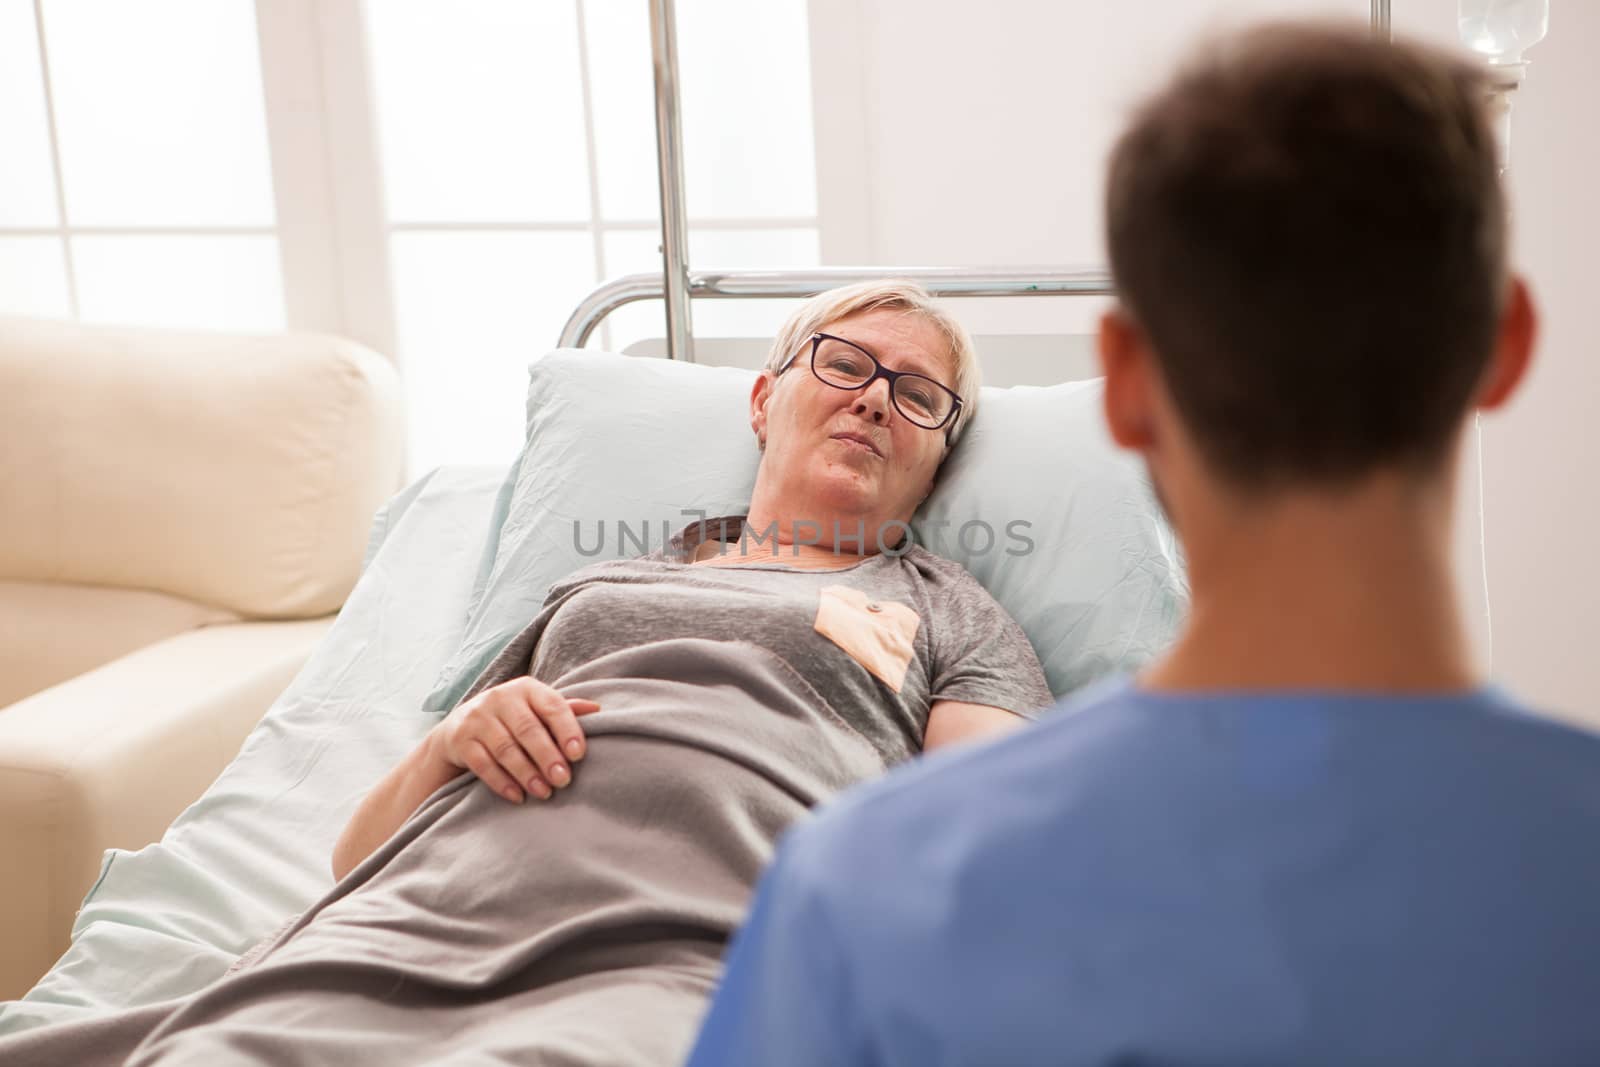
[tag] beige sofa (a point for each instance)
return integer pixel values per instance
(181, 514)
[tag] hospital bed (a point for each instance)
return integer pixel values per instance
(460, 559)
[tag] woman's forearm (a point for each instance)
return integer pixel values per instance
(391, 802)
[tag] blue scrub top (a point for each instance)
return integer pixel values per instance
(1297, 878)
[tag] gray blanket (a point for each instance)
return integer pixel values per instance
(588, 929)
(585, 930)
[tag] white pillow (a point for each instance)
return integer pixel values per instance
(649, 442)
(1102, 589)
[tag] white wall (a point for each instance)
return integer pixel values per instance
(1539, 482)
(952, 133)
(1540, 457)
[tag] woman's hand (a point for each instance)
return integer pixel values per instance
(517, 736)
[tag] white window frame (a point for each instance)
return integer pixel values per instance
(327, 177)
(327, 182)
(846, 159)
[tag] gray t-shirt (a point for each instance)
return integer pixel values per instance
(879, 641)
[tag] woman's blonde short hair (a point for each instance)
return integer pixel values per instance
(894, 294)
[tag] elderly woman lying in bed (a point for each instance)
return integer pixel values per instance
(711, 692)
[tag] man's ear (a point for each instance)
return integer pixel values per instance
(1513, 348)
(1125, 360)
(760, 394)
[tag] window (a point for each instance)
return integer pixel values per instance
(441, 181)
(518, 159)
(127, 196)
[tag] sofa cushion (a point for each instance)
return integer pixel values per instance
(52, 631)
(109, 758)
(238, 471)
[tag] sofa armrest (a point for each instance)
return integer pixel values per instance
(108, 759)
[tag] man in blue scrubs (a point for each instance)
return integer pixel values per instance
(1310, 833)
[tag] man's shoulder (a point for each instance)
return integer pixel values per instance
(1029, 847)
(1116, 748)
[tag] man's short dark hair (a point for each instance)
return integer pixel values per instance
(1308, 227)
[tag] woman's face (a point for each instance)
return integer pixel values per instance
(851, 452)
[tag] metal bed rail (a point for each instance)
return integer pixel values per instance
(677, 284)
(1381, 21)
(669, 177)
(809, 281)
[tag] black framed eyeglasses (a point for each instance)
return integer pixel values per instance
(846, 365)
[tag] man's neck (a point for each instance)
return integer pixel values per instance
(1353, 594)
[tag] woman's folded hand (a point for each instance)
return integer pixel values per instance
(519, 736)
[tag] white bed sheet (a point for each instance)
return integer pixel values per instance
(255, 848)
